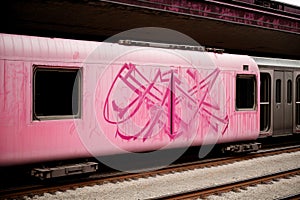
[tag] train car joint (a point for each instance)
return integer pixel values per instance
(65, 170)
(241, 148)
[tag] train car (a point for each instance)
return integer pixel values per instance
(66, 99)
(280, 96)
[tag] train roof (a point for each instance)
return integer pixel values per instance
(276, 62)
(16, 47)
(31, 48)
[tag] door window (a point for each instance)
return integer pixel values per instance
(298, 101)
(278, 91)
(265, 103)
(289, 92)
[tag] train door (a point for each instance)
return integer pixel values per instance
(297, 102)
(266, 121)
(283, 106)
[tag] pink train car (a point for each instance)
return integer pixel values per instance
(64, 99)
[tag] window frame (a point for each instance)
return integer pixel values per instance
(78, 70)
(267, 104)
(247, 76)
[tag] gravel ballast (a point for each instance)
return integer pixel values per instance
(275, 190)
(198, 178)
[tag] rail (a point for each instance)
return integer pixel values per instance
(52, 187)
(232, 186)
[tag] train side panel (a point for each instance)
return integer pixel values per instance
(185, 106)
(280, 101)
(127, 98)
(241, 81)
(23, 139)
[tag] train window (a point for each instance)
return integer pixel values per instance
(298, 101)
(245, 92)
(56, 93)
(265, 104)
(278, 91)
(289, 92)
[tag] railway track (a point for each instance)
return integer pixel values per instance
(290, 197)
(52, 187)
(233, 186)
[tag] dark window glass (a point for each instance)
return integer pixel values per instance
(265, 105)
(56, 93)
(245, 92)
(265, 85)
(289, 91)
(298, 101)
(278, 91)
